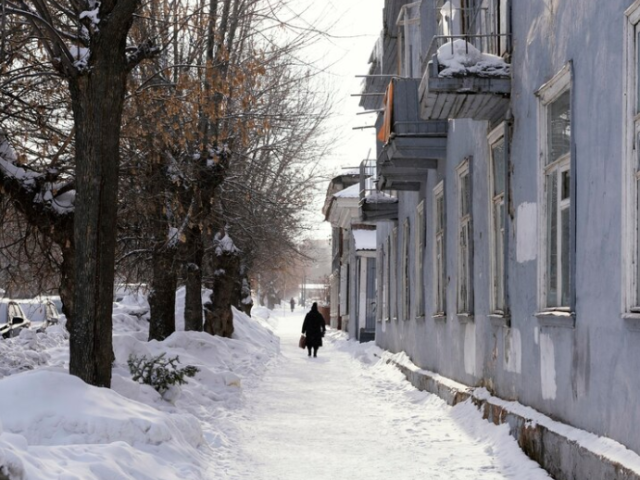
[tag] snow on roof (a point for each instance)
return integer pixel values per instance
(350, 192)
(365, 239)
(461, 58)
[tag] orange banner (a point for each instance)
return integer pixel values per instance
(385, 131)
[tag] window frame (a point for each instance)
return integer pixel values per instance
(548, 93)
(497, 256)
(380, 285)
(630, 297)
(440, 253)
(465, 290)
(393, 276)
(406, 274)
(420, 238)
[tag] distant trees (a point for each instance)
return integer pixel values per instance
(181, 125)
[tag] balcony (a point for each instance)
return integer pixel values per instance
(467, 75)
(408, 146)
(375, 206)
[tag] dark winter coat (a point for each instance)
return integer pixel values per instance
(314, 327)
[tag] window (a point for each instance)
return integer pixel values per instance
(386, 283)
(393, 267)
(406, 285)
(632, 168)
(497, 187)
(465, 240)
(419, 236)
(439, 256)
(409, 41)
(482, 23)
(380, 285)
(555, 116)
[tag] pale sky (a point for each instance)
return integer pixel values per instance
(355, 26)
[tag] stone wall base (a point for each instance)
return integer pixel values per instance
(558, 448)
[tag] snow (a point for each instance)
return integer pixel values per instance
(11, 170)
(7, 153)
(350, 192)
(224, 244)
(365, 239)
(92, 14)
(460, 58)
(80, 55)
(380, 197)
(257, 408)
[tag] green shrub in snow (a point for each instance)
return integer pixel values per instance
(159, 372)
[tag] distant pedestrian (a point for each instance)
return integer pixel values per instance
(314, 327)
(292, 302)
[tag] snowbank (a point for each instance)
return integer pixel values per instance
(381, 364)
(53, 425)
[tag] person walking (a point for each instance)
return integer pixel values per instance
(293, 303)
(314, 328)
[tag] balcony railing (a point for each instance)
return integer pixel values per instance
(468, 74)
(375, 206)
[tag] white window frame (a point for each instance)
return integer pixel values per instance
(406, 278)
(380, 285)
(393, 276)
(465, 239)
(631, 166)
(497, 238)
(419, 246)
(439, 253)
(548, 94)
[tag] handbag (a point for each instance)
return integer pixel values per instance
(303, 341)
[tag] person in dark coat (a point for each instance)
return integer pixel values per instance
(314, 327)
(292, 303)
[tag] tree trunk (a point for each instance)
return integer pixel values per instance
(226, 285)
(97, 102)
(67, 283)
(162, 299)
(193, 279)
(246, 303)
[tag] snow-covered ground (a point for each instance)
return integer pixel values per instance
(258, 408)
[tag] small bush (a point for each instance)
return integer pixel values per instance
(159, 372)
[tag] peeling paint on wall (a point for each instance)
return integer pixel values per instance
(527, 232)
(547, 367)
(513, 351)
(470, 348)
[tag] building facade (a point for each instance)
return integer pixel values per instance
(353, 278)
(510, 257)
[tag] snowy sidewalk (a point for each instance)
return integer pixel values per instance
(344, 415)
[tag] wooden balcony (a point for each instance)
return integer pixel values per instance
(373, 211)
(463, 94)
(410, 146)
(374, 205)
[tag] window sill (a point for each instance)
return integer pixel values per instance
(442, 317)
(465, 317)
(557, 318)
(632, 320)
(420, 318)
(499, 320)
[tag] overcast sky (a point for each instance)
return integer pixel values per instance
(354, 26)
